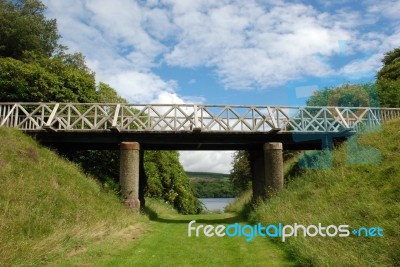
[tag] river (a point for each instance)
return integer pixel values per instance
(216, 203)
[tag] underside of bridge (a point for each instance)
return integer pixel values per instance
(188, 140)
(267, 169)
(265, 151)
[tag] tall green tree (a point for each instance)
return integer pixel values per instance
(240, 175)
(106, 94)
(389, 79)
(44, 80)
(347, 95)
(168, 180)
(23, 27)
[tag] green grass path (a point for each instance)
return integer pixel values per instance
(166, 243)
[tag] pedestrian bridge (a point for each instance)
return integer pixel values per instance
(188, 126)
(262, 130)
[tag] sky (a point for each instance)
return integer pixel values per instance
(247, 52)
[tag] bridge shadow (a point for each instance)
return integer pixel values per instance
(221, 218)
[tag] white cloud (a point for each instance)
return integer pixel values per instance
(388, 8)
(206, 161)
(249, 44)
(117, 40)
(140, 87)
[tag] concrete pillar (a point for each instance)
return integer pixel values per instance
(129, 174)
(273, 160)
(267, 170)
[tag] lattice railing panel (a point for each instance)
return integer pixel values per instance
(206, 118)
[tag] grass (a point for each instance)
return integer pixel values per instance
(49, 210)
(167, 244)
(359, 195)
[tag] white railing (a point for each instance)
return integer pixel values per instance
(185, 117)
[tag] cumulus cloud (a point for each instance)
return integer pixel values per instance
(251, 47)
(248, 44)
(208, 161)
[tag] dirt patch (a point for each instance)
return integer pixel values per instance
(131, 232)
(76, 251)
(30, 153)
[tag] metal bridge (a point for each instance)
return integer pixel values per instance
(263, 130)
(188, 126)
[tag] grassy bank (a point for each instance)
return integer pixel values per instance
(353, 194)
(48, 208)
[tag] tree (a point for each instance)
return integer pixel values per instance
(23, 27)
(241, 175)
(168, 180)
(39, 79)
(106, 94)
(347, 95)
(389, 79)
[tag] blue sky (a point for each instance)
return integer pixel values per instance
(265, 52)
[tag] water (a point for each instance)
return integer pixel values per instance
(215, 203)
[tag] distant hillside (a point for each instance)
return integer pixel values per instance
(48, 208)
(211, 185)
(207, 175)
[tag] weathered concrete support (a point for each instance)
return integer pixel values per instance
(129, 174)
(267, 170)
(273, 160)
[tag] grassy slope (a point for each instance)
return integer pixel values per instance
(48, 208)
(357, 195)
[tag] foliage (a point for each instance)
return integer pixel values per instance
(106, 94)
(389, 79)
(23, 27)
(240, 175)
(352, 194)
(167, 180)
(347, 95)
(44, 80)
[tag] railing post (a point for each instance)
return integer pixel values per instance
(196, 117)
(51, 117)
